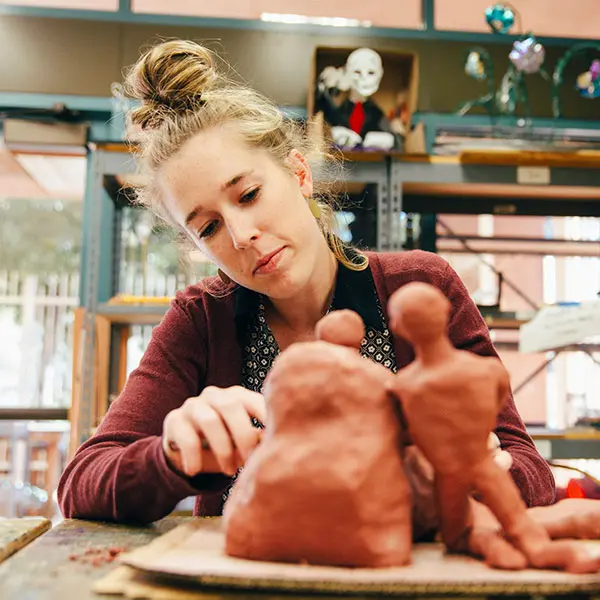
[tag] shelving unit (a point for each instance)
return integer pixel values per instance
(436, 183)
(511, 320)
(566, 445)
(140, 314)
(416, 183)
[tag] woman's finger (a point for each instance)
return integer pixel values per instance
(237, 420)
(182, 445)
(253, 402)
(574, 518)
(208, 423)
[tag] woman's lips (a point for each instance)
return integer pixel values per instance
(269, 263)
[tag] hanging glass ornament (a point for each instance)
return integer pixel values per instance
(474, 66)
(500, 18)
(588, 83)
(479, 64)
(506, 96)
(527, 55)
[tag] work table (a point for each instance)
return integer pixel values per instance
(56, 567)
(65, 562)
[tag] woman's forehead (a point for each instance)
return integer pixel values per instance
(211, 160)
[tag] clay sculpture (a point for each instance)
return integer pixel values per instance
(326, 486)
(450, 400)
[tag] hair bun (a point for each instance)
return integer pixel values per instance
(170, 80)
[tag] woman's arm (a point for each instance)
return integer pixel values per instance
(121, 473)
(468, 331)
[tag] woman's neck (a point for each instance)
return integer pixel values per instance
(302, 312)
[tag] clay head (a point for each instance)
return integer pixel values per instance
(342, 327)
(419, 313)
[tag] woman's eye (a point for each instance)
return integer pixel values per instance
(208, 230)
(249, 196)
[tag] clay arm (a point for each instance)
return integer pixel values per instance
(468, 331)
(121, 474)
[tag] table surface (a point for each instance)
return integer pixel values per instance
(57, 565)
(17, 533)
(66, 561)
(54, 566)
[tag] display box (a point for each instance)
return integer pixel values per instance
(396, 95)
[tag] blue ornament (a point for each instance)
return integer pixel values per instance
(588, 83)
(527, 55)
(592, 91)
(500, 18)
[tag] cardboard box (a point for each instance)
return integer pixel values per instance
(400, 79)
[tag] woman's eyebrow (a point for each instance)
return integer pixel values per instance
(236, 179)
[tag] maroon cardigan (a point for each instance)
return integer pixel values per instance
(121, 473)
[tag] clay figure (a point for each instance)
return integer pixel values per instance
(326, 485)
(450, 401)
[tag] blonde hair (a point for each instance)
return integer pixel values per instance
(182, 92)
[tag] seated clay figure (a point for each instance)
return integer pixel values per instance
(450, 400)
(326, 486)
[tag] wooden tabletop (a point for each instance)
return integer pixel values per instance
(64, 563)
(17, 533)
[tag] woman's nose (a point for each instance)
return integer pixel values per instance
(242, 232)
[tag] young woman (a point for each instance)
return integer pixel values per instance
(221, 163)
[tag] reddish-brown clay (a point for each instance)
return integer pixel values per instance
(342, 327)
(450, 399)
(573, 518)
(326, 486)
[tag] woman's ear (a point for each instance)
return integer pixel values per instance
(302, 171)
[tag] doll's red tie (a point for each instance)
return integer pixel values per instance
(357, 117)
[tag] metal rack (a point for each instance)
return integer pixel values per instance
(506, 168)
(390, 173)
(556, 170)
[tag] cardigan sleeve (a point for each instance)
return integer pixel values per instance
(121, 473)
(468, 331)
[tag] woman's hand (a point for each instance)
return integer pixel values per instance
(213, 432)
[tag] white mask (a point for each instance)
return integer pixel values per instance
(364, 70)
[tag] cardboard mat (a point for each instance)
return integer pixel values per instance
(193, 553)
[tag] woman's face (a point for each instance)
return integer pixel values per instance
(245, 211)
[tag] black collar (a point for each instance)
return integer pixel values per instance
(354, 290)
